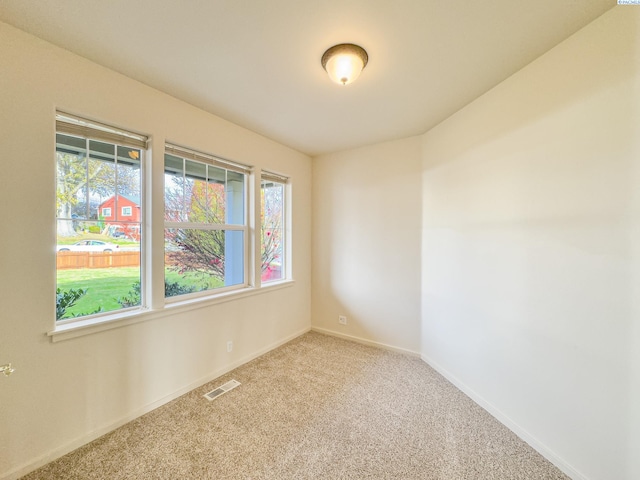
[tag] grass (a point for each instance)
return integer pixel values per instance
(106, 285)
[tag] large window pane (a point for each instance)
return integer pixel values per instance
(205, 220)
(199, 259)
(272, 231)
(98, 250)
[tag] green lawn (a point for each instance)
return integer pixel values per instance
(105, 285)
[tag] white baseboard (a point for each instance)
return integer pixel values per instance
(536, 444)
(91, 436)
(364, 341)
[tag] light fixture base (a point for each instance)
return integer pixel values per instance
(344, 62)
(345, 48)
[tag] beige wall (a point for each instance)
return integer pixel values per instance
(63, 394)
(366, 243)
(531, 250)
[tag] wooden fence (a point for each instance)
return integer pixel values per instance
(65, 260)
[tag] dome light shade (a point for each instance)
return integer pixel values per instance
(344, 62)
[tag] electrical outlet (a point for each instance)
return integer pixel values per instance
(342, 320)
(229, 346)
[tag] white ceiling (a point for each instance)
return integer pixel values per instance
(257, 62)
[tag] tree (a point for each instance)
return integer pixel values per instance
(271, 216)
(200, 250)
(74, 174)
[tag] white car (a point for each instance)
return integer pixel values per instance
(89, 246)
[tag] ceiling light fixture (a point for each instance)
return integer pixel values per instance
(344, 62)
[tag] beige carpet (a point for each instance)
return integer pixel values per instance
(316, 408)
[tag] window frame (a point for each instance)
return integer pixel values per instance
(153, 304)
(129, 209)
(187, 154)
(284, 181)
(87, 130)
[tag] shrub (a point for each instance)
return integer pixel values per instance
(67, 299)
(171, 289)
(133, 297)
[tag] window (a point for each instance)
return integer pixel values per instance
(205, 223)
(97, 271)
(273, 234)
(208, 246)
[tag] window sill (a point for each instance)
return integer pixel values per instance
(108, 322)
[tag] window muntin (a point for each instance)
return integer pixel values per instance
(272, 232)
(97, 271)
(205, 227)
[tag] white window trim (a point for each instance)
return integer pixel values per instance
(129, 209)
(248, 259)
(71, 125)
(95, 324)
(105, 210)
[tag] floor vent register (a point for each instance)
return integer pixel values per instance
(221, 390)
